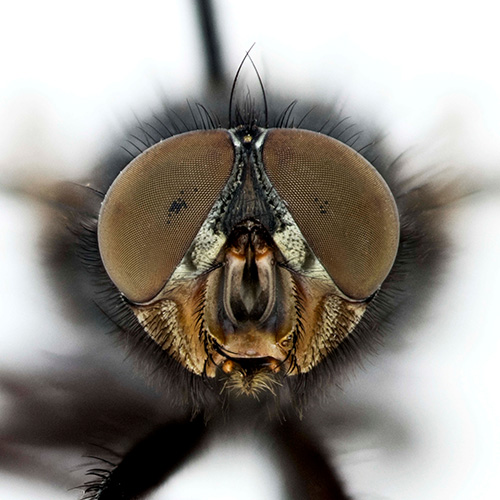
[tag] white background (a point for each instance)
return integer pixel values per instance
(427, 72)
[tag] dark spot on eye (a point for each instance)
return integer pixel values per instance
(195, 190)
(182, 191)
(322, 206)
(176, 206)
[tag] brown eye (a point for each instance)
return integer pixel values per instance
(156, 206)
(341, 204)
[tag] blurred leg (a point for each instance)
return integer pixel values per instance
(306, 468)
(148, 463)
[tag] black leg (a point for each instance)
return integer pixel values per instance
(210, 40)
(307, 471)
(148, 463)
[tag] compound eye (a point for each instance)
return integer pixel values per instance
(343, 207)
(155, 207)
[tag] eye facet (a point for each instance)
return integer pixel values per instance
(341, 204)
(156, 206)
